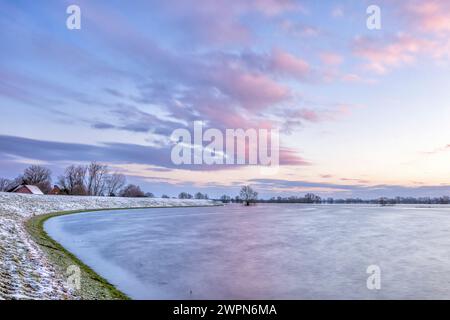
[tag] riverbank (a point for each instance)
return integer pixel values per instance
(32, 265)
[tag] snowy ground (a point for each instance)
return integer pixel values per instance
(25, 272)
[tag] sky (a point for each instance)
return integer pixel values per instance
(361, 112)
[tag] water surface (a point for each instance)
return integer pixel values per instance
(264, 252)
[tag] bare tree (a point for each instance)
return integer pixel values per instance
(225, 199)
(248, 195)
(184, 195)
(201, 196)
(312, 198)
(16, 182)
(96, 179)
(73, 180)
(38, 176)
(132, 191)
(4, 184)
(198, 195)
(114, 182)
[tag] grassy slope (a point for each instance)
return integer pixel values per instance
(93, 286)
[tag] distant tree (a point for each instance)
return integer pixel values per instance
(38, 176)
(5, 184)
(444, 200)
(225, 199)
(383, 201)
(198, 195)
(312, 198)
(114, 183)
(165, 196)
(201, 196)
(149, 195)
(72, 181)
(132, 191)
(97, 175)
(184, 195)
(248, 195)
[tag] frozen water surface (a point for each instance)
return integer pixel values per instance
(265, 251)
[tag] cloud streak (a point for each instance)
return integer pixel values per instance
(119, 153)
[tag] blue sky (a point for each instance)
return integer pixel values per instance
(361, 112)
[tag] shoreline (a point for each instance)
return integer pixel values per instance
(33, 265)
(93, 285)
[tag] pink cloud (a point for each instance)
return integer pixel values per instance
(288, 64)
(229, 119)
(429, 23)
(309, 115)
(221, 21)
(290, 157)
(331, 59)
(293, 118)
(432, 16)
(290, 119)
(252, 90)
(258, 88)
(383, 55)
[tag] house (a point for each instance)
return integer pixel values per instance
(28, 189)
(56, 191)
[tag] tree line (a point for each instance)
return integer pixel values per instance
(95, 179)
(198, 196)
(311, 198)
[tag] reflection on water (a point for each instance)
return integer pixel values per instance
(265, 251)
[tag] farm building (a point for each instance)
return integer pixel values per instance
(28, 189)
(56, 191)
